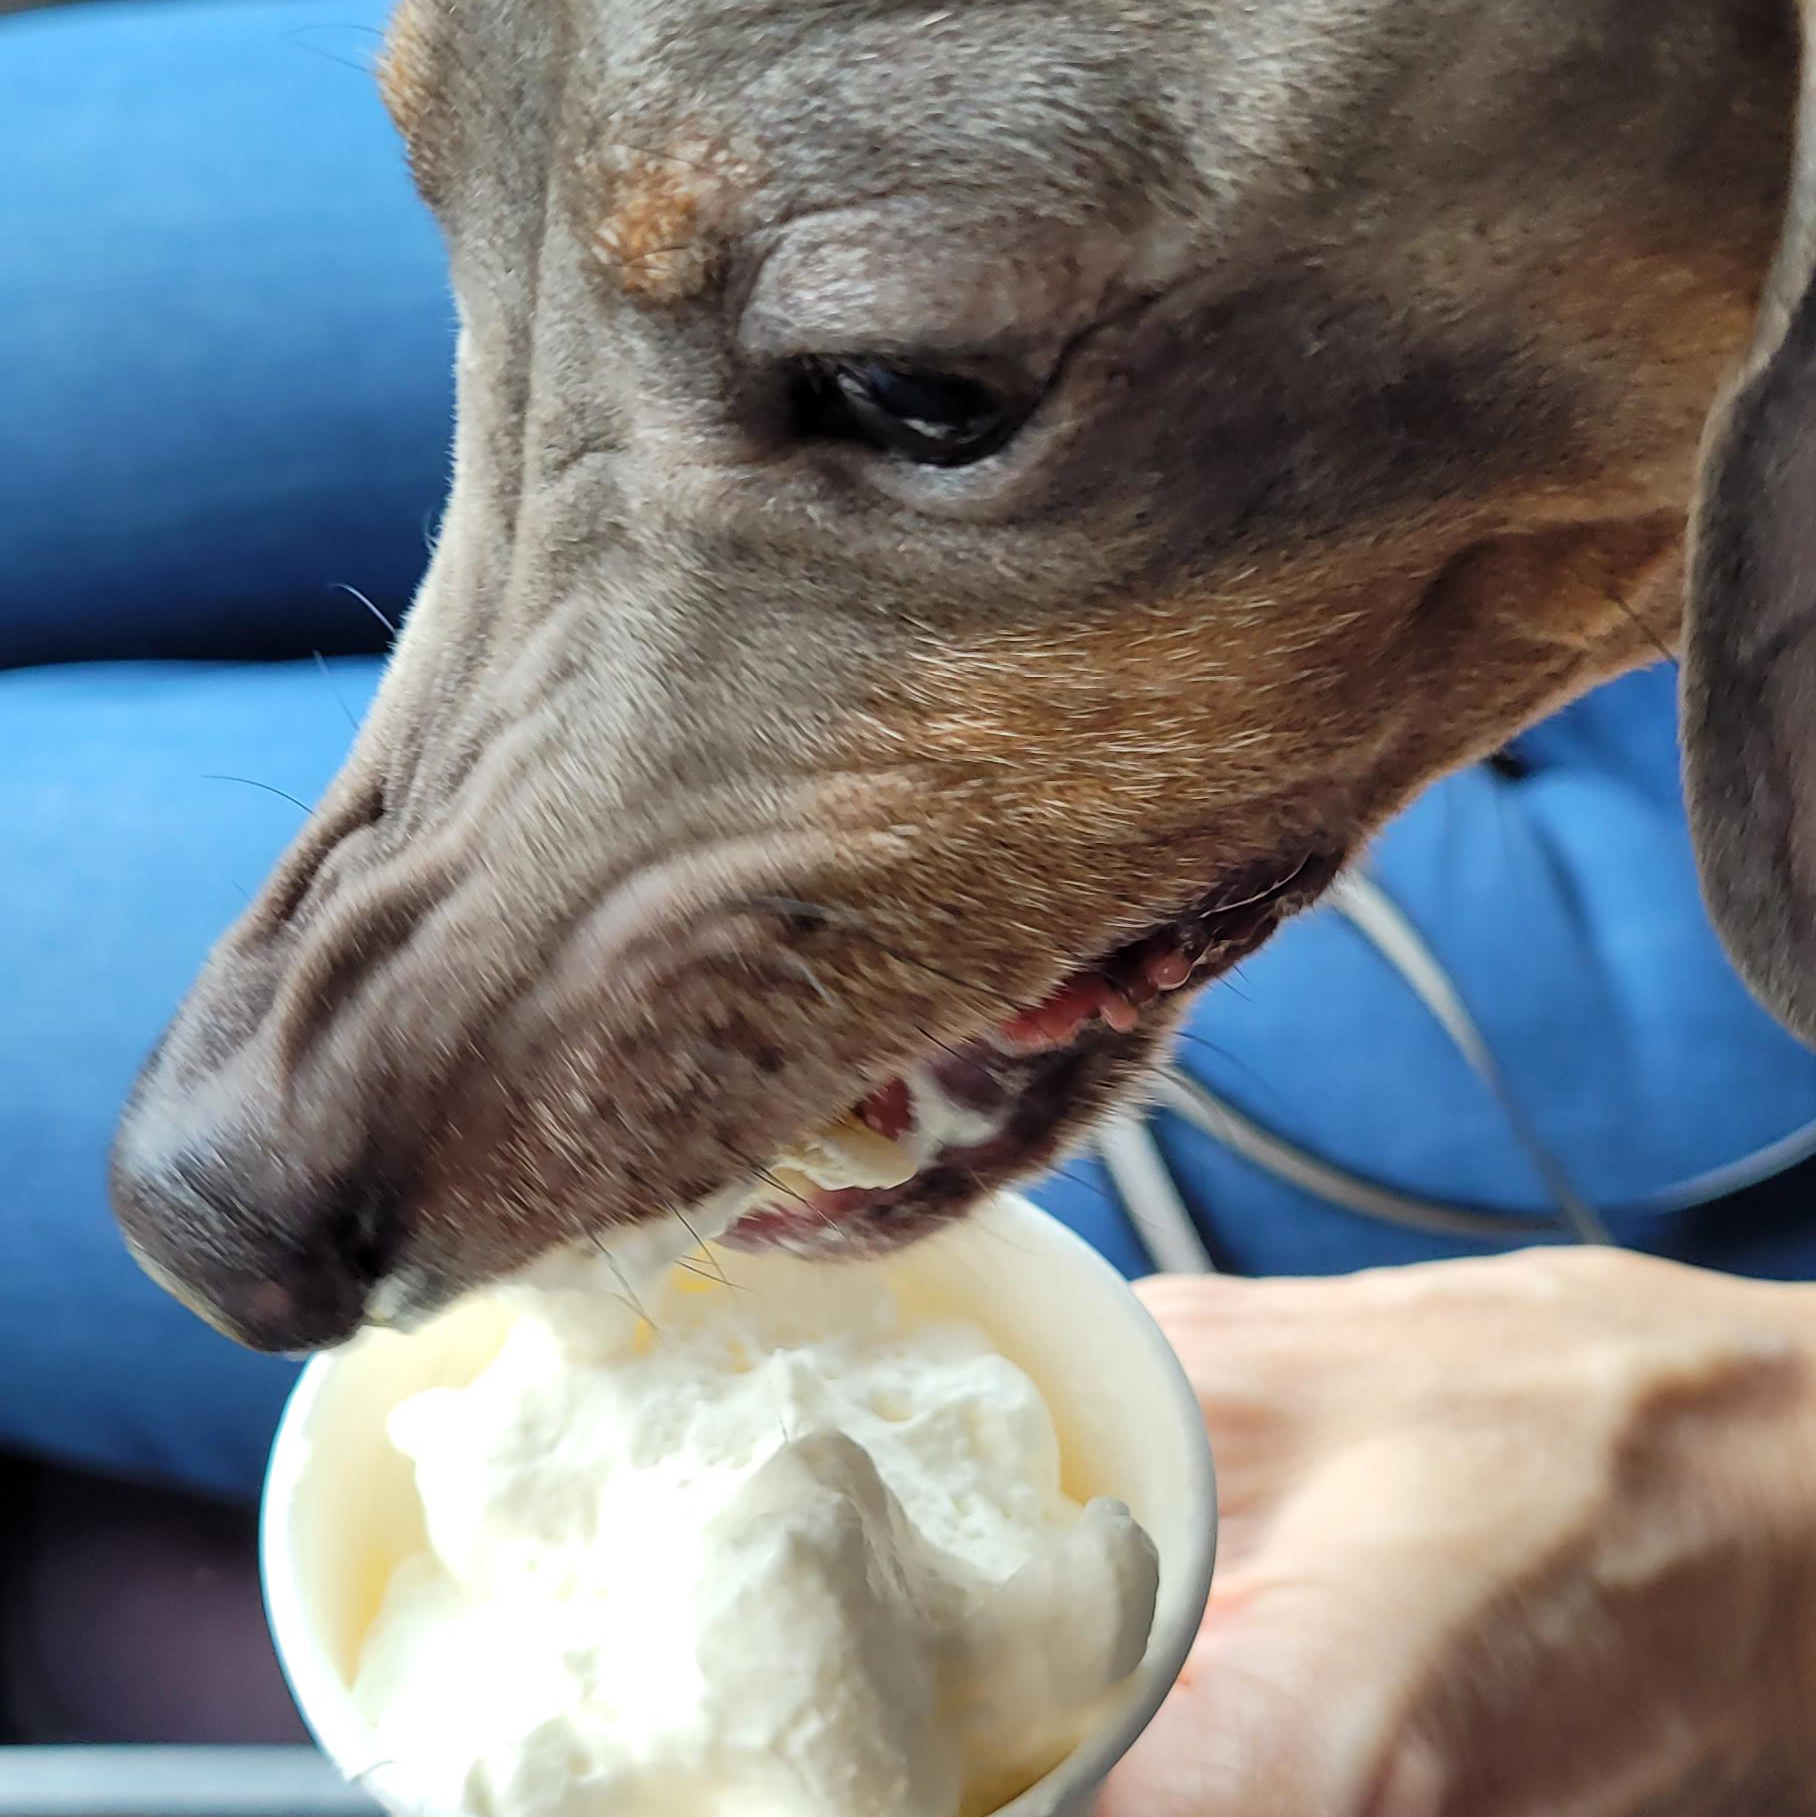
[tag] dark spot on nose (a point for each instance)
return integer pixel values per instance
(275, 1270)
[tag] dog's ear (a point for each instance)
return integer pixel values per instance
(1749, 646)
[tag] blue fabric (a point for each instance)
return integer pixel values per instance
(225, 336)
(121, 858)
(223, 348)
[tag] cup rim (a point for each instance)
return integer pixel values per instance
(325, 1701)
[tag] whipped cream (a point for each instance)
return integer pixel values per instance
(845, 1153)
(769, 1551)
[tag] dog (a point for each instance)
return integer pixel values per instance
(964, 518)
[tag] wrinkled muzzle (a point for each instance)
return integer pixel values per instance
(582, 934)
(592, 929)
(672, 868)
(599, 923)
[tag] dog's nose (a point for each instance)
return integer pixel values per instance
(289, 1275)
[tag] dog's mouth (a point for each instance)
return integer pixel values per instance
(972, 1117)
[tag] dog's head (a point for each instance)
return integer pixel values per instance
(963, 518)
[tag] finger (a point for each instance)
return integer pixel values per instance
(1258, 1726)
(1304, 1679)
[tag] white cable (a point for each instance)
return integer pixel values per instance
(1379, 919)
(1180, 1093)
(1730, 1177)
(1138, 1171)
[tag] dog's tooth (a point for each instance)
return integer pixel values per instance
(871, 1158)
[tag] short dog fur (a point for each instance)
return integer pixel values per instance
(1395, 370)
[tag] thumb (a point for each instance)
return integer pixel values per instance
(1295, 1699)
(1263, 1724)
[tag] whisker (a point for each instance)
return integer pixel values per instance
(1135, 1219)
(704, 1247)
(801, 1199)
(1189, 1038)
(788, 1192)
(792, 961)
(295, 35)
(341, 586)
(1640, 625)
(951, 1052)
(611, 1261)
(1232, 981)
(321, 663)
(252, 782)
(1087, 1183)
(1276, 888)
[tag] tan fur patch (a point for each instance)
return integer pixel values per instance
(1181, 735)
(662, 215)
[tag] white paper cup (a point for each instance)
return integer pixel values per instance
(341, 1510)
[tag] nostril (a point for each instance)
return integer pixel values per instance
(362, 1229)
(275, 1268)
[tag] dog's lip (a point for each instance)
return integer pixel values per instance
(1025, 1070)
(1025, 1067)
(1171, 954)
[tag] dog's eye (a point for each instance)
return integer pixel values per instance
(920, 413)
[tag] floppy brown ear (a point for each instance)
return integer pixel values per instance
(1749, 647)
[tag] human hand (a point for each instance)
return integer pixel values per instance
(1530, 1535)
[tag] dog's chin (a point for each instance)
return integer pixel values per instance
(973, 1118)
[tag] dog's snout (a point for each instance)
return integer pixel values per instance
(276, 1268)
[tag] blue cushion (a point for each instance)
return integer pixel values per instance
(225, 334)
(124, 859)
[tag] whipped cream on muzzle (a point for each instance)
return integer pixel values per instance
(769, 1551)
